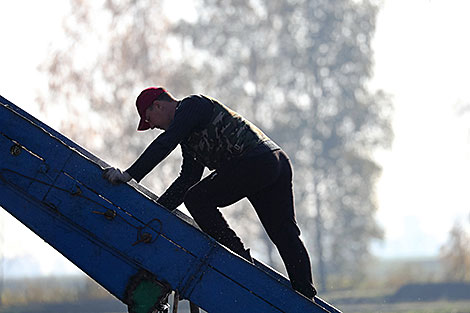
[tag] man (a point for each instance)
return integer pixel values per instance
(244, 163)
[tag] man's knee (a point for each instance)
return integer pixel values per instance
(192, 200)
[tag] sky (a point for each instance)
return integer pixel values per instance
(421, 61)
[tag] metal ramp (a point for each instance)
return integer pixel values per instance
(119, 235)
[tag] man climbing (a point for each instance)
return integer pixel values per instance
(244, 163)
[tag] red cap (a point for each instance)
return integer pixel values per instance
(144, 101)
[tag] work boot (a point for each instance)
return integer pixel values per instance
(228, 238)
(307, 290)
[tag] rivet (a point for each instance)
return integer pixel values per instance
(15, 150)
(44, 168)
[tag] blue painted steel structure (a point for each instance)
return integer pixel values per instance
(54, 187)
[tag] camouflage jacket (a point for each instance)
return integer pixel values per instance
(227, 135)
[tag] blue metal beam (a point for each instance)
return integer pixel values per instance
(54, 187)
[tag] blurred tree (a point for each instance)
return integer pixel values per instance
(299, 69)
(455, 254)
(112, 50)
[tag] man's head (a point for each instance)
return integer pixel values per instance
(156, 108)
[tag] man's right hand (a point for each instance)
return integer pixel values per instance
(116, 176)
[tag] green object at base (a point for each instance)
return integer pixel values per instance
(145, 294)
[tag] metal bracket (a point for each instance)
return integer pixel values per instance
(109, 214)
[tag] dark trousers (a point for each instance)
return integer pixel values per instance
(266, 180)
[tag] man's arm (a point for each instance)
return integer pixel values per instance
(158, 150)
(192, 113)
(191, 173)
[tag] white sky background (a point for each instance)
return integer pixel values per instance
(422, 59)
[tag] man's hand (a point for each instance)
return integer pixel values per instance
(116, 176)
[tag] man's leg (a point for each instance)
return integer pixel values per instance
(224, 188)
(275, 208)
(204, 210)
